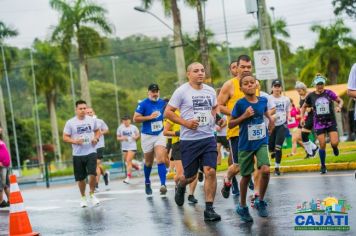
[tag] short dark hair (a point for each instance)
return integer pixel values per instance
(243, 58)
(244, 75)
(80, 102)
(125, 117)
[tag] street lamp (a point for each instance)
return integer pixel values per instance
(278, 49)
(140, 9)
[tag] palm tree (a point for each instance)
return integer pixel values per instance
(81, 20)
(5, 32)
(330, 53)
(50, 80)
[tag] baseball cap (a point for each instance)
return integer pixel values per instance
(153, 87)
(319, 79)
(276, 82)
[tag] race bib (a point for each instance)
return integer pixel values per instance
(87, 138)
(203, 118)
(291, 121)
(156, 126)
(280, 118)
(256, 132)
(322, 109)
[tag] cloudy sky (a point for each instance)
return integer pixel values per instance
(34, 18)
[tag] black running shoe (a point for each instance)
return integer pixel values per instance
(3, 204)
(211, 215)
(308, 156)
(148, 189)
(179, 196)
(276, 171)
(200, 176)
(225, 191)
(315, 151)
(106, 178)
(323, 170)
(192, 199)
(336, 151)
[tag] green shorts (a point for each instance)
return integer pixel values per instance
(246, 160)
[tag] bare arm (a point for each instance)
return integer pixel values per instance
(223, 97)
(169, 114)
(247, 114)
(139, 118)
(351, 93)
(167, 130)
(67, 138)
(340, 103)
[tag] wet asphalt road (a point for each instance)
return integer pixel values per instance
(125, 210)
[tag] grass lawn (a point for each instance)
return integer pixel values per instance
(347, 154)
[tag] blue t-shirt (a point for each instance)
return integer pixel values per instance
(253, 131)
(146, 108)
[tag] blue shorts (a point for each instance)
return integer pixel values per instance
(196, 153)
(234, 149)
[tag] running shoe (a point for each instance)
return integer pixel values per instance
(244, 213)
(3, 204)
(200, 176)
(307, 156)
(336, 151)
(96, 190)
(192, 199)
(107, 177)
(148, 189)
(323, 170)
(83, 202)
(276, 171)
(179, 196)
(163, 190)
(127, 180)
(225, 191)
(211, 215)
(315, 151)
(93, 200)
(261, 207)
(251, 186)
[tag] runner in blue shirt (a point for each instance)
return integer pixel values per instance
(149, 112)
(248, 113)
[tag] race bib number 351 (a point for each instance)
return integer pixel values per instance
(156, 126)
(256, 132)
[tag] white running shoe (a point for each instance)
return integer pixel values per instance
(94, 201)
(83, 202)
(127, 180)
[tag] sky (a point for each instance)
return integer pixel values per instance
(35, 19)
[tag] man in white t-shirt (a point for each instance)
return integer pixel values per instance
(100, 146)
(198, 108)
(351, 89)
(82, 132)
(128, 135)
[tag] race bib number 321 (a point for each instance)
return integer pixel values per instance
(203, 118)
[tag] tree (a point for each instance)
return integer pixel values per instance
(330, 54)
(50, 80)
(81, 20)
(347, 6)
(5, 32)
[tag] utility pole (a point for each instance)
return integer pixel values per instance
(72, 83)
(265, 31)
(113, 59)
(226, 35)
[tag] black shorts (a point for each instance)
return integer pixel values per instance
(277, 137)
(326, 130)
(100, 153)
(84, 166)
(169, 145)
(308, 124)
(176, 155)
(197, 153)
(234, 149)
(223, 141)
(129, 150)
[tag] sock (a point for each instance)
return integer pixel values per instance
(208, 205)
(277, 165)
(147, 171)
(278, 156)
(162, 173)
(129, 175)
(308, 148)
(322, 155)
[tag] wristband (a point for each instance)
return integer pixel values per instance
(177, 133)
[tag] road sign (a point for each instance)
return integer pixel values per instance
(265, 64)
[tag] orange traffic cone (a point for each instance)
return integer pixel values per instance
(19, 223)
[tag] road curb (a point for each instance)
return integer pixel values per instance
(316, 167)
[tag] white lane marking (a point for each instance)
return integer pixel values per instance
(127, 192)
(311, 176)
(42, 208)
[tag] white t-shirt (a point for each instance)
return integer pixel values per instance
(82, 129)
(282, 109)
(129, 132)
(351, 84)
(195, 104)
(270, 104)
(222, 132)
(101, 126)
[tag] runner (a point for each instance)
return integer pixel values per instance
(100, 146)
(351, 86)
(293, 123)
(279, 133)
(221, 139)
(153, 143)
(172, 130)
(128, 135)
(83, 133)
(230, 93)
(310, 147)
(324, 117)
(197, 104)
(249, 114)
(4, 173)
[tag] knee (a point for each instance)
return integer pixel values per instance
(265, 171)
(234, 169)
(209, 172)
